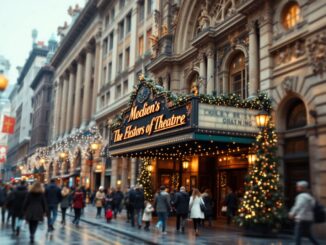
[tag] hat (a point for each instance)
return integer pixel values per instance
(303, 183)
(101, 188)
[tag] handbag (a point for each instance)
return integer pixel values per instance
(202, 205)
(224, 209)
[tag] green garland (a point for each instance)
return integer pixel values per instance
(261, 102)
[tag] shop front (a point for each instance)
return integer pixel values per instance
(192, 141)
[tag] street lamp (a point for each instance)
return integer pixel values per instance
(185, 164)
(94, 146)
(3, 82)
(262, 119)
(62, 155)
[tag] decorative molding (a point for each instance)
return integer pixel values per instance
(289, 53)
(289, 82)
(316, 50)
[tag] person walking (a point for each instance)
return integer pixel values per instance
(231, 203)
(16, 203)
(65, 203)
(302, 213)
(147, 216)
(53, 198)
(99, 201)
(163, 207)
(209, 204)
(181, 205)
(132, 197)
(35, 208)
(196, 214)
(139, 205)
(78, 204)
(117, 201)
(3, 198)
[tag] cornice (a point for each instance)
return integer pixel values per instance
(41, 73)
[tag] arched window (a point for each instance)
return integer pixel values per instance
(290, 15)
(297, 116)
(192, 79)
(237, 78)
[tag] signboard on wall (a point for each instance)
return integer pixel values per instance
(227, 118)
(3, 153)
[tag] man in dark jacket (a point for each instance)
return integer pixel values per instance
(138, 203)
(117, 200)
(16, 202)
(53, 198)
(3, 198)
(181, 205)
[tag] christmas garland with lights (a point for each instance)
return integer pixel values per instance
(260, 102)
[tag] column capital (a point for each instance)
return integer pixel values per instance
(98, 35)
(201, 55)
(252, 24)
(89, 48)
(72, 68)
(79, 59)
(210, 52)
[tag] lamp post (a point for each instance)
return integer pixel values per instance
(93, 147)
(262, 119)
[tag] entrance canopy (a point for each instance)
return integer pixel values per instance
(159, 123)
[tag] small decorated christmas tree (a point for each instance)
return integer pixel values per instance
(145, 179)
(262, 204)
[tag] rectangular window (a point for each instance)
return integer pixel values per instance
(141, 45)
(49, 95)
(121, 4)
(104, 76)
(148, 39)
(110, 72)
(149, 7)
(112, 15)
(141, 11)
(107, 21)
(108, 97)
(127, 57)
(128, 24)
(118, 91)
(120, 63)
(105, 46)
(125, 87)
(121, 30)
(102, 101)
(47, 116)
(111, 38)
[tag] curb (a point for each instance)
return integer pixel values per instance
(126, 233)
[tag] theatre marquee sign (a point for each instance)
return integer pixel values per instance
(227, 118)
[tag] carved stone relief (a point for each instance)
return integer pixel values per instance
(316, 50)
(288, 83)
(289, 53)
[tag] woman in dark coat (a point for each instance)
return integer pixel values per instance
(209, 204)
(78, 204)
(35, 208)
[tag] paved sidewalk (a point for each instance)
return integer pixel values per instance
(218, 234)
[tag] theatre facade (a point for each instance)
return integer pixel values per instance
(196, 141)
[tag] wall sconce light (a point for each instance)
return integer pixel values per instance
(150, 168)
(118, 182)
(251, 158)
(94, 146)
(185, 164)
(262, 119)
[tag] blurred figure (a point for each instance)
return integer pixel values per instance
(181, 204)
(162, 207)
(35, 207)
(99, 201)
(132, 195)
(209, 204)
(127, 204)
(231, 204)
(78, 204)
(195, 211)
(65, 203)
(16, 201)
(117, 201)
(3, 198)
(147, 216)
(139, 204)
(53, 198)
(302, 213)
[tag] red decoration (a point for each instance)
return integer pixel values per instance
(8, 125)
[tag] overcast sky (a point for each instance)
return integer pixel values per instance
(17, 20)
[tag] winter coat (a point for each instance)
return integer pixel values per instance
(181, 202)
(132, 197)
(147, 216)
(109, 201)
(17, 201)
(231, 202)
(3, 196)
(78, 200)
(35, 206)
(303, 207)
(139, 199)
(99, 197)
(195, 211)
(53, 195)
(162, 202)
(117, 198)
(65, 201)
(208, 204)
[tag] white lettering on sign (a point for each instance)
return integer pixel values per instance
(227, 118)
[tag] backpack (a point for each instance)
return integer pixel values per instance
(319, 213)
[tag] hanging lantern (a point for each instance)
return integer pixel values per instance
(251, 158)
(3, 82)
(94, 146)
(185, 164)
(262, 119)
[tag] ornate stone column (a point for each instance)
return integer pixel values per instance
(86, 106)
(64, 105)
(124, 173)
(133, 166)
(210, 71)
(57, 113)
(97, 72)
(77, 107)
(71, 87)
(114, 172)
(253, 60)
(202, 73)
